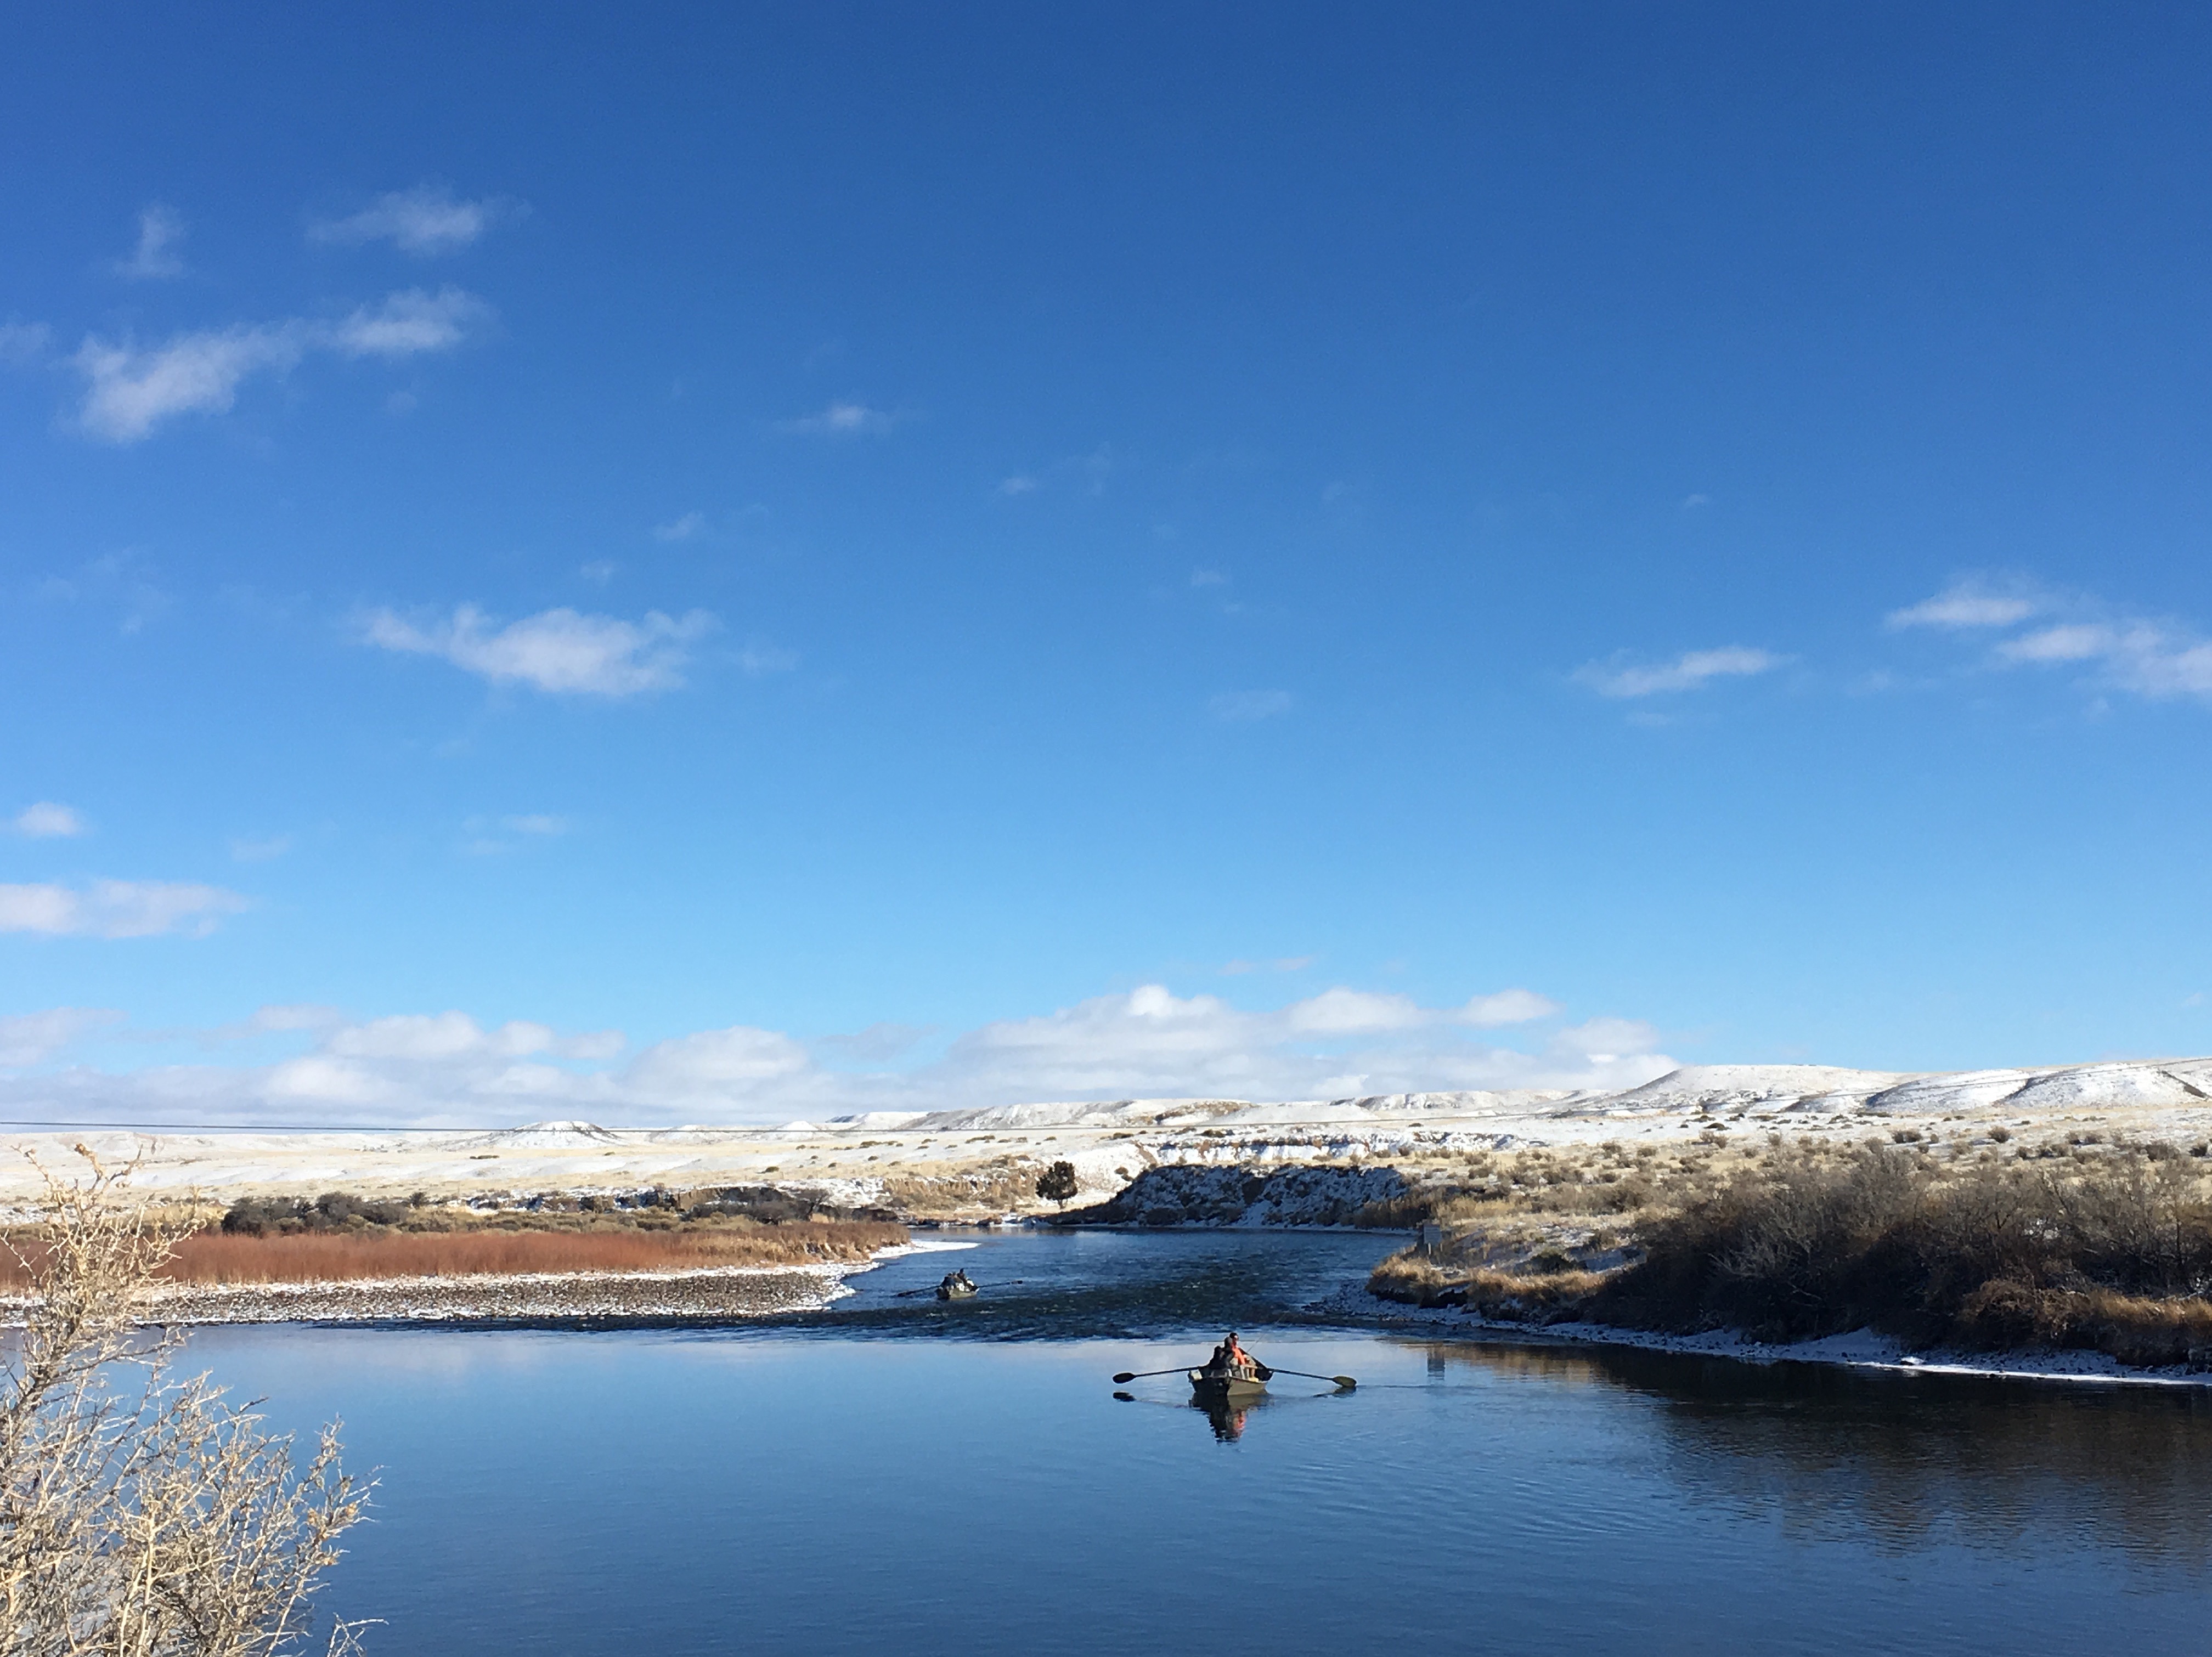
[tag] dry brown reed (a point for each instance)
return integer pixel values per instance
(217, 1257)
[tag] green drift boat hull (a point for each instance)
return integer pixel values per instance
(1220, 1386)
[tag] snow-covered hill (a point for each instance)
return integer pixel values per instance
(1757, 1090)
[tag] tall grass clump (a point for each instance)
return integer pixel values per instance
(2112, 1253)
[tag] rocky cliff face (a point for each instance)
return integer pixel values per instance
(1183, 1194)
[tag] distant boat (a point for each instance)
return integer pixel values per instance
(955, 1287)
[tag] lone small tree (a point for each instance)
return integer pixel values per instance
(1057, 1183)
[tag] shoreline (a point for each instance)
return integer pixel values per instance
(1860, 1349)
(693, 1296)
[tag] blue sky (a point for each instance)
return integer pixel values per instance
(728, 563)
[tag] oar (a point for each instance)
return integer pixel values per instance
(1345, 1381)
(1139, 1375)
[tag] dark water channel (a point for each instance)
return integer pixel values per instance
(896, 1476)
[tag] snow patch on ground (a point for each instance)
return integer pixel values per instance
(1860, 1349)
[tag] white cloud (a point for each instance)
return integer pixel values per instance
(1208, 578)
(408, 323)
(47, 820)
(840, 420)
(2145, 655)
(29, 1038)
(714, 1067)
(599, 571)
(1289, 963)
(425, 221)
(1020, 483)
(1352, 1012)
(129, 390)
(1150, 1041)
(2151, 659)
(557, 650)
(1688, 672)
(681, 529)
(535, 823)
(438, 1035)
(1145, 1042)
(1243, 706)
(161, 234)
(264, 850)
(116, 908)
(1506, 1007)
(1966, 604)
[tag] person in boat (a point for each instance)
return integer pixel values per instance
(1231, 1356)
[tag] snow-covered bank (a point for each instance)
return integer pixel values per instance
(1861, 1348)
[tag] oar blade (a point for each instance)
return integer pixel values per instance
(1344, 1382)
(1125, 1375)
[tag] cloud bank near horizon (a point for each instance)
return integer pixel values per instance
(446, 1069)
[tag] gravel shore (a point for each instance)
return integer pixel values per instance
(709, 1296)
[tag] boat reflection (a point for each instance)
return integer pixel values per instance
(1227, 1420)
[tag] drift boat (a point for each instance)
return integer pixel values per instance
(1235, 1385)
(955, 1287)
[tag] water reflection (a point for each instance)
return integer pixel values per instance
(1896, 1462)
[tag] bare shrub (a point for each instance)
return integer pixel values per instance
(141, 1514)
(2113, 1254)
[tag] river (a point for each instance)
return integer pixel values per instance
(898, 1476)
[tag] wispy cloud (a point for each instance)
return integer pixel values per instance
(33, 1037)
(841, 420)
(1966, 604)
(116, 908)
(1020, 483)
(265, 849)
(410, 323)
(1244, 707)
(1506, 1007)
(1289, 963)
(681, 529)
(558, 651)
(130, 389)
(160, 235)
(22, 343)
(425, 221)
(535, 822)
(1620, 677)
(758, 657)
(47, 820)
(2153, 657)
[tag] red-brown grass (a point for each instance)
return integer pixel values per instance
(216, 1257)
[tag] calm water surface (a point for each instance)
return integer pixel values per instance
(902, 1477)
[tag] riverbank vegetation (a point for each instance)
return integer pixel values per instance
(143, 1512)
(2079, 1242)
(341, 1237)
